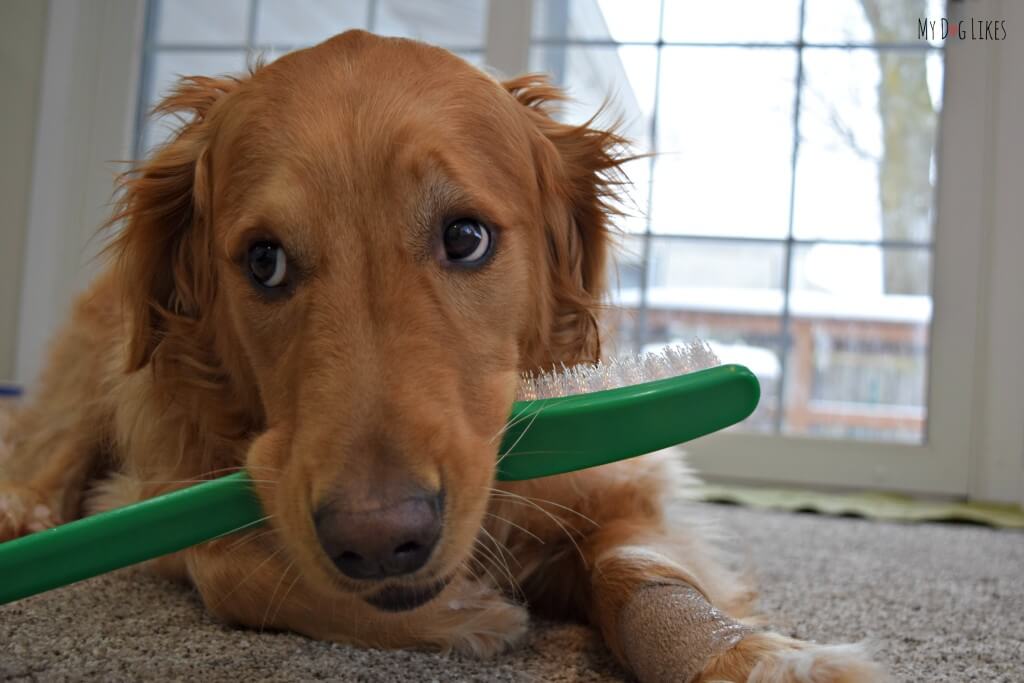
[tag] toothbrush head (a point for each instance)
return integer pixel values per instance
(592, 415)
(616, 372)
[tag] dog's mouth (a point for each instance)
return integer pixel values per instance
(396, 598)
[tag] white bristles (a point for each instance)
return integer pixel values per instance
(618, 372)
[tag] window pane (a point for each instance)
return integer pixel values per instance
(868, 126)
(725, 142)
(867, 280)
(299, 23)
(635, 21)
(201, 22)
(712, 275)
(455, 24)
(736, 21)
(859, 321)
(868, 21)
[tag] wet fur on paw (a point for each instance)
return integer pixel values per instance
(479, 622)
(772, 658)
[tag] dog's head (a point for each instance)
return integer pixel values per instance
(362, 245)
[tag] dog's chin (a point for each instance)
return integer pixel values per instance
(402, 598)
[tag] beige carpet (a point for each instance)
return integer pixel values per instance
(942, 602)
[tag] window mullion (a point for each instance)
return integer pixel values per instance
(508, 36)
(640, 330)
(787, 263)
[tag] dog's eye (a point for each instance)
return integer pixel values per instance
(268, 264)
(466, 241)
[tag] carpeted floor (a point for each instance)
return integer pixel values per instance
(942, 602)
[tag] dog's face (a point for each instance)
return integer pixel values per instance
(365, 243)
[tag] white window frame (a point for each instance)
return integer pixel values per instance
(973, 319)
(951, 460)
(975, 436)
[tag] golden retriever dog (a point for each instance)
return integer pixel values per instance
(333, 275)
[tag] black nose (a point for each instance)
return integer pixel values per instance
(386, 541)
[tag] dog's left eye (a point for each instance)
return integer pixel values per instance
(466, 241)
(268, 264)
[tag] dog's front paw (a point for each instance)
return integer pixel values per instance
(23, 511)
(478, 621)
(772, 658)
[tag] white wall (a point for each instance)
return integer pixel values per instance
(86, 113)
(22, 40)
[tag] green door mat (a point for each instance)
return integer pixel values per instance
(885, 506)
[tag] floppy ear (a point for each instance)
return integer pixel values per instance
(163, 252)
(578, 170)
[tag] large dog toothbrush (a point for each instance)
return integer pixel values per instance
(582, 417)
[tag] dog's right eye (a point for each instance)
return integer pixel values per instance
(268, 264)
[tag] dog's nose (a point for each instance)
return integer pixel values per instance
(387, 541)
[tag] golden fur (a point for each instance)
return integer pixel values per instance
(379, 365)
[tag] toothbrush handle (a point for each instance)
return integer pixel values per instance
(545, 438)
(118, 538)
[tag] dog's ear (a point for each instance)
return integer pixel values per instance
(163, 251)
(578, 170)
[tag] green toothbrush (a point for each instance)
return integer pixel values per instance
(578, 418)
